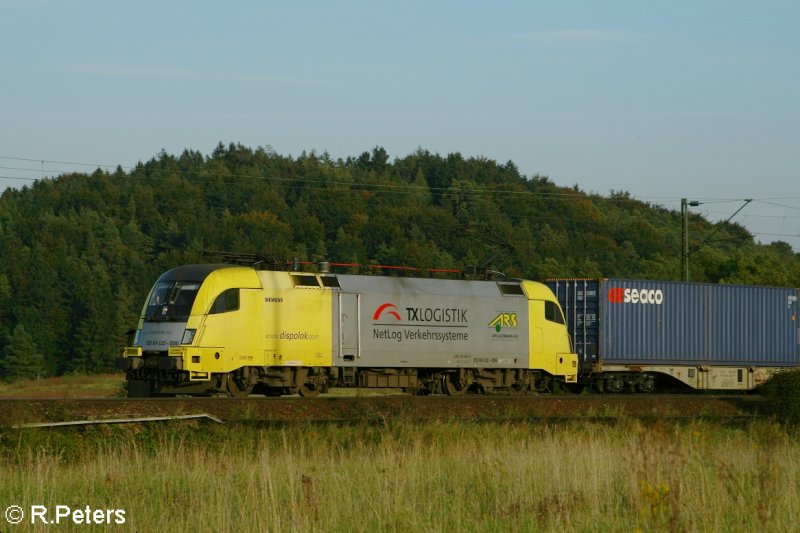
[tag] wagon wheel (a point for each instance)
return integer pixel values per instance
(238, 384)
(455, 384)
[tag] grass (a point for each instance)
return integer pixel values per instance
(405, 476)
(69, 386)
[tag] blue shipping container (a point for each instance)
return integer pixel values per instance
(618, 321)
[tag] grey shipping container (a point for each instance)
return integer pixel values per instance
(618, 321)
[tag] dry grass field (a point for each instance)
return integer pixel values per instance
(70, 386)
(407, 476)
(397, 475)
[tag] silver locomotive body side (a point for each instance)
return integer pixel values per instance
(429, 323)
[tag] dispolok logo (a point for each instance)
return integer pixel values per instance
(386, 309)
(504, 320)
(618, 295)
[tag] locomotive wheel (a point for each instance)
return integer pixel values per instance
(518, 389)
(139, 388)
(239, 384)
(543, 384)
(309, 390)
(312, 385)
(523, 386)
(455, 384)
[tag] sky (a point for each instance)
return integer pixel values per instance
(664, 100)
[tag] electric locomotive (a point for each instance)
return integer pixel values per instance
(208, 329)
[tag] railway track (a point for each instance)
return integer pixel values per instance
(340, 409)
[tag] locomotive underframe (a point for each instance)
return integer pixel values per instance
(155, 374)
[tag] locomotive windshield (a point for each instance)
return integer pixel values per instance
(171, 300)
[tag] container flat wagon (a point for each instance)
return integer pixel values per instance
(641, 335)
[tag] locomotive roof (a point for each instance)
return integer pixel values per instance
(191, 272)
(384, 284)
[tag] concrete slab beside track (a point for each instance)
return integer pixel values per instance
(385, 408)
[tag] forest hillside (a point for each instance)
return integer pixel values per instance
(79, 252)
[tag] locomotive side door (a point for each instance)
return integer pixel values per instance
(349, 326)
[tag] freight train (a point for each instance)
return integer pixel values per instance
(209, 329)
(633, 335)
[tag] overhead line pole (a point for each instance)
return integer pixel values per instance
(685, 236)
(685, 204)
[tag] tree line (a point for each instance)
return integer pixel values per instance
(79, 252)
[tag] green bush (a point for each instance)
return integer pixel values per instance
(782, 392)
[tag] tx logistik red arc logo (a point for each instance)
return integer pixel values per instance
(618, 295)
(446, 316)
(386, 309)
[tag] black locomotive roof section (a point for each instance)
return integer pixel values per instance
(191, 272)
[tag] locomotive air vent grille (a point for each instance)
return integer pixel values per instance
(301, 280)
(511, 289)
(330, 282)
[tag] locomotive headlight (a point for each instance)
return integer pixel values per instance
(188, 336)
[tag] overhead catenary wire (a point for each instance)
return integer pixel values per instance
(354, 186)
(33, 160)
(346, 185)
(779, 205)
(327, 184)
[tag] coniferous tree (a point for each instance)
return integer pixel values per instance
(21, 356)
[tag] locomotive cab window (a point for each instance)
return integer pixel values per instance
(225, 302)
(553, 313)
(171, 300)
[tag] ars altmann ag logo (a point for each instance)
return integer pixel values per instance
(504, 320)
(505, 327)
